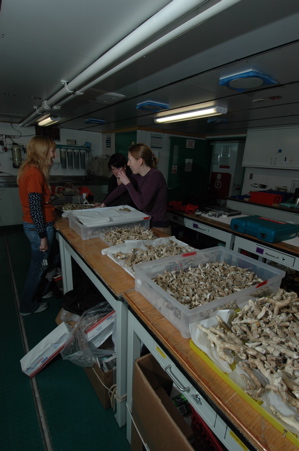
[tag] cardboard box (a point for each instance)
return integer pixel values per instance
(98, 379)
(156, 417)
(101, 330)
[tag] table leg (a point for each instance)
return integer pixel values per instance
(134, 348)
(121, 358)
(66, 266)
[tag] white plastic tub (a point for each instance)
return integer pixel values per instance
(180, 315)
(129, 246)
(96, 222)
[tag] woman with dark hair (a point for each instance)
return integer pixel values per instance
(38, 216)
(117, 163)
(151, 193)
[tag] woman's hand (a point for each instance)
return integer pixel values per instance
(43, 247)
(122, 176)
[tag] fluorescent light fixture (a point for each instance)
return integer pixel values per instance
(48, 120)
(184, 114)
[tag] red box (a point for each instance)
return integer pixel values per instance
(261, 197)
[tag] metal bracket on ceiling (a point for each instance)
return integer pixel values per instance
(65, 83)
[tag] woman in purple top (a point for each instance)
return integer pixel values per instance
(151, 193)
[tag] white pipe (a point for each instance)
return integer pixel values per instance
(154, 24)
(163, 40)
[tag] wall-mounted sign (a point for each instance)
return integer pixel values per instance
(156, 141)
(188, 165)
(190, 143)
(174, 169)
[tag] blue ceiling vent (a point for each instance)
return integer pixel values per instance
(152, 106)
(217, 120)
(93, 120)
(249, 79)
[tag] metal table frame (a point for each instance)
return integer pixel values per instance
(67, 253)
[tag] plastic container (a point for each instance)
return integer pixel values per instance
(103, 220)
(180, 315)
(262, 197)
(265, 229)
(129, 246)
(206, 440)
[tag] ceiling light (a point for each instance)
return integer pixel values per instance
(184, 114)
(48, 120)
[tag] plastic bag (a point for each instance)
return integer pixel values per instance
(78, 349)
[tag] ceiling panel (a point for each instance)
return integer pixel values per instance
(57, 41)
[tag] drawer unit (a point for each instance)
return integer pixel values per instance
(265, 252)
(218, 234)
(183, 385)
(177, 219)
(229, 438)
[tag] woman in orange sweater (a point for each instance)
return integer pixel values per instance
(38, 216)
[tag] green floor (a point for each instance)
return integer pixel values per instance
(65, 405)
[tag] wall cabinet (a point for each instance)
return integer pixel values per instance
(276, 148)
(10, 207)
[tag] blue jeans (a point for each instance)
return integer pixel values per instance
(29, 303)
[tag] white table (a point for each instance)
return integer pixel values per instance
(111, 281)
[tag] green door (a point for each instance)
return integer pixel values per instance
(123, 141)
(189, 169)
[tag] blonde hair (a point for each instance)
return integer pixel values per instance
(37, 156)
(145, 152)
